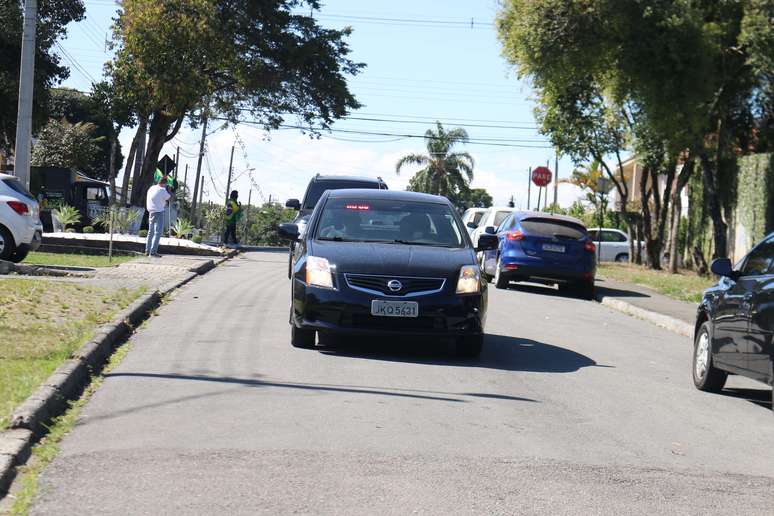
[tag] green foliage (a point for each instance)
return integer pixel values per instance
(66, 145)
(213, 217)
(67, 215)
(88, 229)
(93, 108)
(242, 59)
(143, 233)
(53, 18)
(443, 171)
(261, 224)
(182, 228)
(756, 195)
(122, 219)
(197, 239)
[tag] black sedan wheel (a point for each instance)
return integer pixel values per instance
(705, 376)
(470, 346)
(301, 338)
(7, 248)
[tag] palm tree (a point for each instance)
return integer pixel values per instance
(444, 172)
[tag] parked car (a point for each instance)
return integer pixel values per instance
(543, 248)
(735, 321)
(612, 244)
(472, 218)
(492, 217)
(20, 227)
(314, 190)
(375, 262)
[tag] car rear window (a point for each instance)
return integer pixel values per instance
(477, 217)
(17, 187)
(317, 188)
(389, 221)
(553, 228)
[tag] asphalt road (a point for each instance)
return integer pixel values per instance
(571, 409)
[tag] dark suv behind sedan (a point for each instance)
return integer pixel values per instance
(378, 262)
(735, 323)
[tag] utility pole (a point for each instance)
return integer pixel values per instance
(199, 166)
(185, 176)
(177, 161)
(556, 182)
(529, 189)
(21, 167)
(230, 167)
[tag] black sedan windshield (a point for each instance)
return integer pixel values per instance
(389, 221)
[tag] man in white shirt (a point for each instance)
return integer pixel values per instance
(155, 203)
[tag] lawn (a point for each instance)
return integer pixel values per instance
(74, 259)
(684, 286)
(41, 324)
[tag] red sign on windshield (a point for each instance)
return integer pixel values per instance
(358, 207)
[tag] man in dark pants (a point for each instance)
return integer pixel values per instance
(233, 214)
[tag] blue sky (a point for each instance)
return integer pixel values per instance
(423, 63)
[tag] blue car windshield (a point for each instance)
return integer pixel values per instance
(389, 221)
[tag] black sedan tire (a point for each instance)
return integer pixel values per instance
(301, 338)
(20, 254)
(705, 376)
(470, 346)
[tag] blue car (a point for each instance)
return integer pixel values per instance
(542, 248)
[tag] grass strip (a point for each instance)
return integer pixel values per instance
(41, 324)
(683, 286)
(43, 453)
(75, 259)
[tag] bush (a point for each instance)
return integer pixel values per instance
(88, 229)
(197, 239)
(143, 233)
(70, 230)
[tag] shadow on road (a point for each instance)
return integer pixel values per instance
(617, 292)
(351, 389)
(760, 397)
(500, 352)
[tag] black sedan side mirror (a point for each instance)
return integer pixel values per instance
(288, 232)
(293, 203)
(490, 230)
(487, 242)
(472, 225)
(723, 267)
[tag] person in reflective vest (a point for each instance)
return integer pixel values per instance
(233, 214)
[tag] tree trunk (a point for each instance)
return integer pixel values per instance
(130, 161)
(638, 247)
(677, 213)
(139, 159)
(647, 220)
(712, 198)
(157, 136)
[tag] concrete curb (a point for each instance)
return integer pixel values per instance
(29, 420)
(670, 323)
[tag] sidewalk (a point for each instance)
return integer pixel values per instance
(646, 304)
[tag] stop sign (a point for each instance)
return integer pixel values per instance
(541, 176)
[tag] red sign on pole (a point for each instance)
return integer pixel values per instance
(541, 176)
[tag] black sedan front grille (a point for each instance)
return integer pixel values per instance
(409, 285)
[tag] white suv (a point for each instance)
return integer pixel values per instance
(20, 227)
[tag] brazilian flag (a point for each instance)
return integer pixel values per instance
(171, 181)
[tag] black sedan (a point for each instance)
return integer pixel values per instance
(379, 262)
(735, 324)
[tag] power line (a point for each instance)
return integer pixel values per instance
(495, 142)
(411, 22)
(75, 64)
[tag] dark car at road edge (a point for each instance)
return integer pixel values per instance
(735, 322)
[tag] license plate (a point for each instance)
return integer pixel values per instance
(381, 308)
(553, 248)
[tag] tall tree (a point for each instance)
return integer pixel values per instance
(443, 172)
(680, 72)
(53, 17)
(257, 59)
(62, 144)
